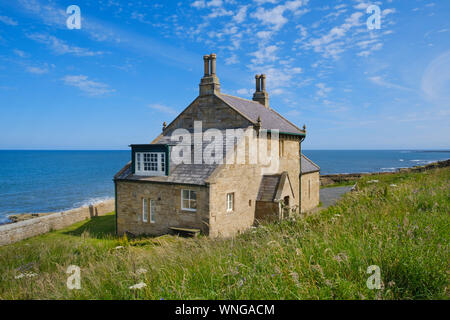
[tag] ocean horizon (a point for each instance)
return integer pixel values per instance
(36, 181)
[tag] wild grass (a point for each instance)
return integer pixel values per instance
(400, 224)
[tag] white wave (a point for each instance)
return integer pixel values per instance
(423, 161)
(91, 201)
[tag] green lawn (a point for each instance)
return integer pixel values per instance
(403, 229)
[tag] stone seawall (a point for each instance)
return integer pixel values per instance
(14, 232)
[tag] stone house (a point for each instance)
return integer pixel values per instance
(220, 166)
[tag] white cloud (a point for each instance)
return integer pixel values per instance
(382, 82)
(90, 87)
(20, 53)
(323, 90)
(330, 44)
(198, 4)
(265, 54)
(9, 21)
(232, 59)
(241, 14)
(375, 47)
(37, 70)
(219, 12)
(244, 92)
(385, 12)
(61, 47)
(274, 17)
(163, 108)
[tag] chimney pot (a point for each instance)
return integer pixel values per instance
(258, 87)
(206, 64)
(263, 82)
(212, 57)
(260, 94)
(209, 84)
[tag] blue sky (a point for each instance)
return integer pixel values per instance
(135, 64)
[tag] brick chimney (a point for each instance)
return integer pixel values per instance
(260, 94)
(209, 84)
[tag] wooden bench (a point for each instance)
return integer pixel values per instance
(185, 231)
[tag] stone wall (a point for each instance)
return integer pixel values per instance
(242, 180)
(14, 232)
(310, 191)
(267, 211)
(168, 208)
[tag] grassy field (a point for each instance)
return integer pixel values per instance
(401, 224)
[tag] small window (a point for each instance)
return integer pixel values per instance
(230, 201)
(309, 189)
(188, 200)
(281, 148)
(144, 210)
(152, 211)
(151, 163)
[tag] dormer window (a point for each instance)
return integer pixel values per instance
(150, 163)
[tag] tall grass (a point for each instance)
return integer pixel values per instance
(400, 224)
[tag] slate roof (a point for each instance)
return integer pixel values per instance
(195, 174)
(270, 119)
(307, 166)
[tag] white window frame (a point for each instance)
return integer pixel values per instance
(144, 210)
(230, 202)
(152, 211)
(161, 164)
(189, 199)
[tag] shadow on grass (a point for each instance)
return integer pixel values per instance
(102, 227)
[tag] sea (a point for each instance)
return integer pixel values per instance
(49, 181)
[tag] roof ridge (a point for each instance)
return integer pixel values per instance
(287, 120)
(270, 109)
(234, 108)
(308, 159)
(248, 100)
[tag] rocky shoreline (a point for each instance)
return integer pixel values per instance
(330, 179)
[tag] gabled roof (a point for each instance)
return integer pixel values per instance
(271, 187)
(307, 166)
(268, 187)
(270, 119)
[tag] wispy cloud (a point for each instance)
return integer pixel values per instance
(82, 82)
(37, 70)
(382, 82)
(323, 90)
(20, 53)
(59, 46)
(162, 108)
(275, 17)
(9, 21)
